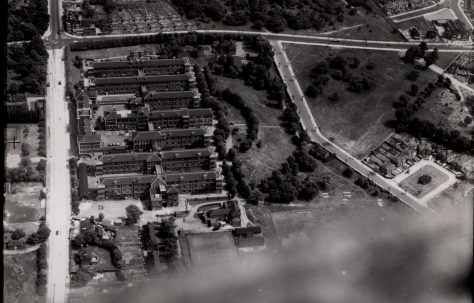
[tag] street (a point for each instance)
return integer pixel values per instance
(58, 183)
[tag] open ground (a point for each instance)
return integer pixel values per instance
(19, 284)
(418, 190)
(357, 122)
(205, 248)
(18, 131)
(23, 203)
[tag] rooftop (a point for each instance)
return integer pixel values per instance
(144, 79)
(89, 138)
(170, 95)
(136, 63)
(125, 180)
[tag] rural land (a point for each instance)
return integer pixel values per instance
(238, 151)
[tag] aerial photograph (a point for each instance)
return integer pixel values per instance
(221, 151)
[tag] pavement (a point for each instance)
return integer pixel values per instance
(309, 124)
(58, 182)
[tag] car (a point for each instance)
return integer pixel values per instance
(47, 84)
(57, 232)
(59, 83)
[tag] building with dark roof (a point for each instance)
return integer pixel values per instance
(88, 143)
(157, 187)
(134, 66)
(172, 100)
(156, 120)
(176, 138)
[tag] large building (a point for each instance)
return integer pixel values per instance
(172, 100)
(142, 84)
(156, 120)
(176, 138)
(158, 188)
(137, 65)
(149, 163)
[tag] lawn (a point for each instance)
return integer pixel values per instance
(23, 204)
(19, 274)
(205, 248)
(257, 100)
(17, 131)
(258, 163)
(357, 122)
(411, 184)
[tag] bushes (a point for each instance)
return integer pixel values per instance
(424, 179)
(42, 266)
(348, 172)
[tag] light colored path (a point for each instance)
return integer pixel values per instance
(57, 182)
(20, 251)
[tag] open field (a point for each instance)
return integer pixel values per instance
(116, 51)
(18, 131)
(19, 278)
(205, 248)
(461, 193)
(411, 184)
(357, 122)
(257, 100)
(23, 204)
(300, 220)
(258, 163)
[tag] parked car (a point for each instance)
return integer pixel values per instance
(59, 83)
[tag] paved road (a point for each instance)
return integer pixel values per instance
(58, 183)
(309, 123)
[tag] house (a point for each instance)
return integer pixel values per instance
(172, 100)
(249, 236)
(176, 138)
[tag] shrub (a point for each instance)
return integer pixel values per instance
(467, 120)
(348, 172)
(424, 179)
(18, 234)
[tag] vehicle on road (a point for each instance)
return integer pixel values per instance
(57, 232)
(59, 83)
(47, 84)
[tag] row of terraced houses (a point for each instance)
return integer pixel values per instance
(142, 133)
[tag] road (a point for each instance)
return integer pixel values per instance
(307, 120)
(57, 182)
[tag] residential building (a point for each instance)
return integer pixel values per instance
(88, 143)
(136, 64)
(172, 100)
(142, 84)
(156, 120)
(177, 138)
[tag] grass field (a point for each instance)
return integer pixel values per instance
(460, 194)
(14, 154)
(258, 163)
(205, 248)
(19, 278)
(257, 100)
(23, 205)
(411, 184)
(357, 122)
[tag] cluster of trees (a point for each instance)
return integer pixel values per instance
(206, 86)
(25, 22)
(42, 266)
(424, 179)
(133, 214)
(42, 139)
(168, 241)
(90, 238)
(405, 120)
(74, 185)
(420, 51)
(283, 186)
(276, 16)
(40, 236)
(251, 120)
(27, 63)
(337, 68)
(21, 114)
(109, 6)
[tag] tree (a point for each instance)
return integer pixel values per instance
(18, 234)
(467, 120)
(43, 232)
(33, 239)
(133, 214)
(424, 179)
(414, 90)
(334, 97)
(101, 217)
(255, 197)
(313, 91)
(79, 241)
(348, 172)
(90, 238)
